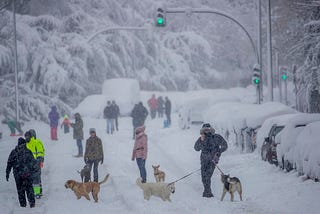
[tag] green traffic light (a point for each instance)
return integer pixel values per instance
(284, 77)
(160, 21)
(256, 81)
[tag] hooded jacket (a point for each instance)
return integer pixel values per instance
(21, 161)
(140, 148)
(53, 117)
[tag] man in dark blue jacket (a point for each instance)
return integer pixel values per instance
(23, 164)
(211, 146)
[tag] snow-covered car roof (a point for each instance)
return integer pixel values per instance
(263, 132)
(241, 115)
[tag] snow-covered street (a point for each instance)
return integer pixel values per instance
(266, 188)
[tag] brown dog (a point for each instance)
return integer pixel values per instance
(158, 174)
(83, 189)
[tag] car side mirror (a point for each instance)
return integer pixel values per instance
(267, 139)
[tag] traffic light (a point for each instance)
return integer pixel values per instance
(283, 73)
(256, 75)
(160, 18)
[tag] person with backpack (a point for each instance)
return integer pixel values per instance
(211, 146)
(23, 164)
(66, 124)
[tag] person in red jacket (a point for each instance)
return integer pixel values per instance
(153, 105)
(140, 150)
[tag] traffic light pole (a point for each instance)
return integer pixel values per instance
(200, 10)
(255, 51)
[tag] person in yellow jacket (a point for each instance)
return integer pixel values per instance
(36, 147)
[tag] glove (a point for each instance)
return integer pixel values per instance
(7, 177)
(41, 164)
(215, 159)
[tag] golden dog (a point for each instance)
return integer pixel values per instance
(158, 174)
(83, 189)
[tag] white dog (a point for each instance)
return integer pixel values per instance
(162, 190)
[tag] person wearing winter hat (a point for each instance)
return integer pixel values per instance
(140, 151)
(40, 162)
(93, 154)
(211, 146)
(23, 164)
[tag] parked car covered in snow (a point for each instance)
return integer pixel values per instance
(307, 150)
(266, 136)
(268, 149)
(286, 141)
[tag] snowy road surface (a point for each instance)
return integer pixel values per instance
(266, 189)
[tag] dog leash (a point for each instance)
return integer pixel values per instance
(185, 176)
(219, 169)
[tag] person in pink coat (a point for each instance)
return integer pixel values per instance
(140, 151)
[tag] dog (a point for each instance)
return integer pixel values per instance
(85, 173)
(162, 190)
(231, 185)
(158, 174)
(83, 189)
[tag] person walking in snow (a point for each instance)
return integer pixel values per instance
(139, 114)
(153, 105)
(93, 154)
(54, 121)
(37, 150)
(78, 133)
(66, 124)
(23, 164)
(109, 115)
(167, 106)
(13, 125)
(35, 145)
(211, 146)
(160, 107)
(116, 113)
(140, 151)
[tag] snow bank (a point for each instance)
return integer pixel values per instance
(92, 106)
(126, 93)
